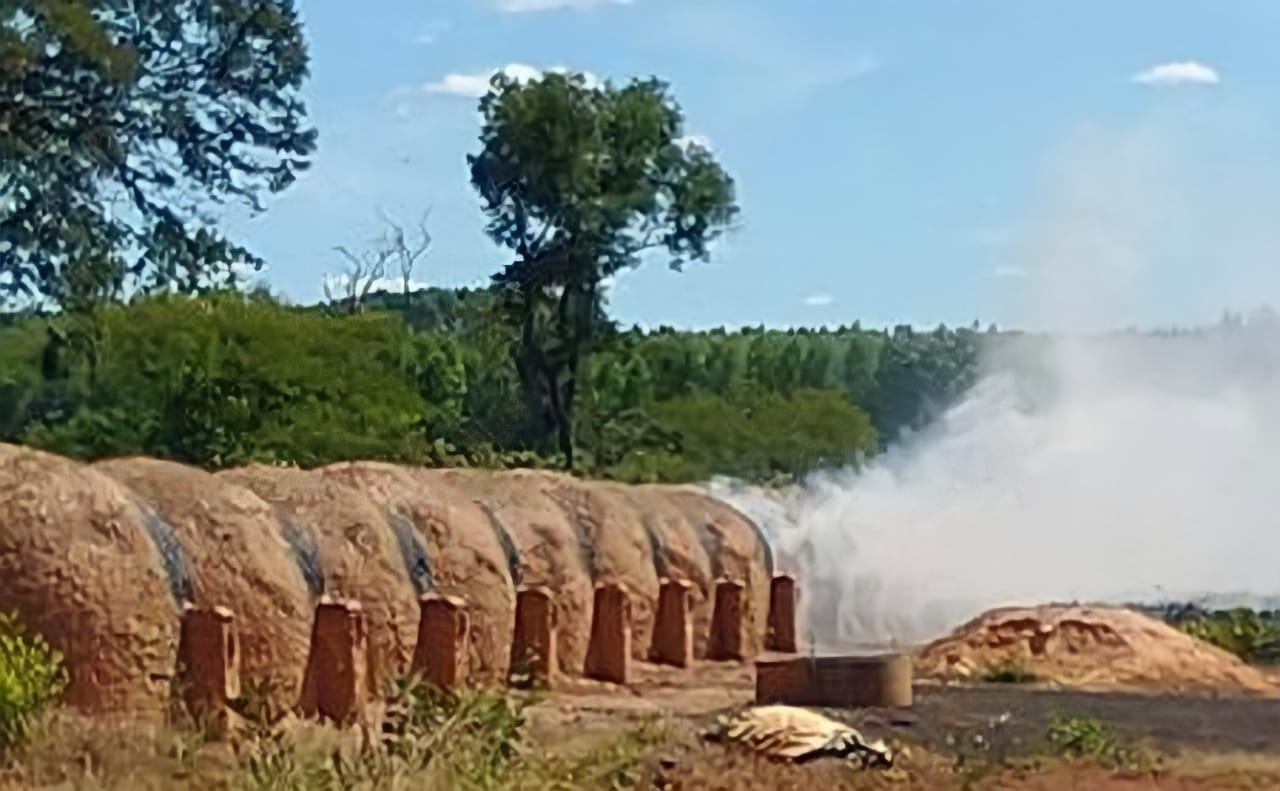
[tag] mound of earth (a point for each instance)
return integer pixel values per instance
(1088, 647)
(100, 559)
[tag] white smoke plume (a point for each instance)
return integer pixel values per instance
(1082, 466)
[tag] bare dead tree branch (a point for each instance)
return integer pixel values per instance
(407, 249)
(362, 272)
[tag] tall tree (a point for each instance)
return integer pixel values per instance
(124, 123)
(581, 180)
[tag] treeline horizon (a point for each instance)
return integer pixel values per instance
(233, 377)
(230, 377)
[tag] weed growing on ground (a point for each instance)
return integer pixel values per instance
(434, 739)
(32, 678)
(1086, 739)
(1010, 670)
(422, 738)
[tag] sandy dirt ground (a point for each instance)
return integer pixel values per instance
(1199, 742)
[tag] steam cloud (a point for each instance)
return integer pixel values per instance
(1082, 466)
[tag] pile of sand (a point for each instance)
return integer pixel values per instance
(1088, 647)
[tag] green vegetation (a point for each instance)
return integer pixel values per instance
(471, 741)
(1085, 739)
(984, 752)
(1249, 634)
(123, 123)
(125, 332)
(580, 182)
(1011, 670)
(31, 680)
(230, 378)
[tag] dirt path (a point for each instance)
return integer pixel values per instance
(1234, 743)
(1172, 725)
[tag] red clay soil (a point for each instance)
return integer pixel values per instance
(678, 552)
(237, 558)
(78, 566)
(550, 553)
(357, 554)
(733, 547)
(1089, 647)
(100, 563)
(463, 555)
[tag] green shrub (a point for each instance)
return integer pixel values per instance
(31, 679)
(1082, 738)
(1010, 670)
(1252, 636)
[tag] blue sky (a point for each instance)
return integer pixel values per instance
(1030, 163)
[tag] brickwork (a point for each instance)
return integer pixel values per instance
(335, 684)
(728, 642)
(444, 627)
(609, 649)
(673, 624)
(838, 681)
(780, 635)
(208, 673)
(533, 644)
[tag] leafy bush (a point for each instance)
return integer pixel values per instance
(1082, 738)
(1250, 635)
(229, 378)
(31, 679)
(759, 436)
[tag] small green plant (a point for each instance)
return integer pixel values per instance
(1010, 670)
(273, 763)
(1250, 635)
(32, 678)
(1086, 739)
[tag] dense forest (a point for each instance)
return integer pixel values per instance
(229, 377)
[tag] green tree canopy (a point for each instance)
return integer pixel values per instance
(580, 181)
(123, 123)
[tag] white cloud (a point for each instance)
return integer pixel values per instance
(1010, 273)
(819, 300)
(527, 6)
(1182, 73)
(339, 284)
(477, 85)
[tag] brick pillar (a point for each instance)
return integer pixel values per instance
(533, 643)
(727, 643)
(781, 633)
(609, 652)
(334, 686)
(673, 625)
(208, 664)
(440, 657)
